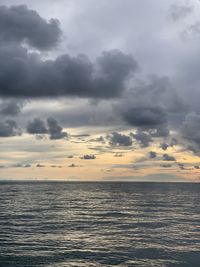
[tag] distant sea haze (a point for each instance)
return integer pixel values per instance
(99, 224)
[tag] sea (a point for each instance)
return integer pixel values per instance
(99, 224)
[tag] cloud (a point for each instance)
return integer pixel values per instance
(52, 128)
(40, 165)
(181, 166)
(20, 24)
(26, 75)
(143, 138)
(37, 126)
(56, 166)
(99, 139)
(150, 105)
(191, 32)
(164, 146)
(11, 107)
(152, 154)
(172, 143)
(20, 165)
(196, 167)
(191, 131)
(147, 117)
(88, 156)
(167, 157)
(118, 139)
(178, 12)
(9, 128)
(55, 130)
(118, 155)
(166, 165)
(73, 165)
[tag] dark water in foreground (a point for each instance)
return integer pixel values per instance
(99, 224)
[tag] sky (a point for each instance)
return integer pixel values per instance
(100, 90)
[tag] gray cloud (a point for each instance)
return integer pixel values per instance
(118, 139)
(88, 156)
(178, 11)
(118, 155)
(191, 131)
(152, 154)
(20, 24)
(164, 146)
(55, 130)
(150, 106)
(171, 143)
(9, 128)
(196, 167)
(20, 165)
(24, 74)
(73, 165)
(167, 157)
(40, 165)
(37, 126)
(165, 165)
(10, 107)
(99, 139)
(52, 128)
(144, 138)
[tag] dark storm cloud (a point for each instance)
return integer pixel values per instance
(143, 138)
(149, 105)
(9, 128)
(20, 24)
(24, 74)
(167, 157)
(51, 127)
(149, 117)
(118, 139)
(161, 131)
(152, 154)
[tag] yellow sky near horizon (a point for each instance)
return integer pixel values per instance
(25, 157)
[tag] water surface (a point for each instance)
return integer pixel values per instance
(99, 224)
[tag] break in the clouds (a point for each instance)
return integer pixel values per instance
(130, 84)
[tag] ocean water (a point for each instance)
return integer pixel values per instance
(99, 224)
